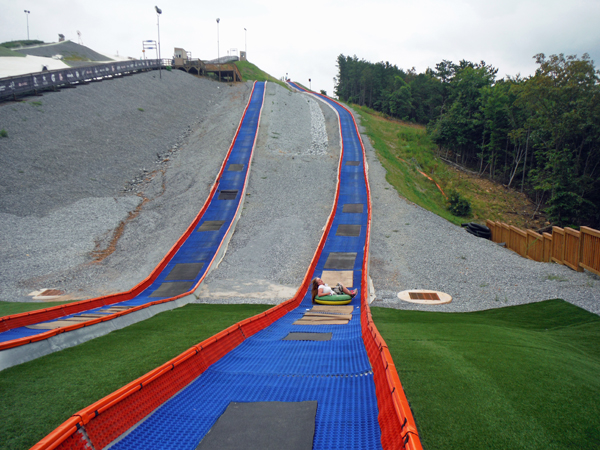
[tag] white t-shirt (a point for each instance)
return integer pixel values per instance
(326, 289)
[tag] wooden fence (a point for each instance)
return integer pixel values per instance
(575, 249)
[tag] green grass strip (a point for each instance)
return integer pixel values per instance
(523, 377)
(250, 71)
(40, 395)
(9, 308)
(7, 52)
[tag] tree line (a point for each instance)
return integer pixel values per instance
(540, 134)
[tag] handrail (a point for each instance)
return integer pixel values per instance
(34, 82)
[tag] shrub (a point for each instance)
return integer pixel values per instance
(3, 133)
(458, 205)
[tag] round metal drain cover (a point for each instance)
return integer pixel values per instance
(424, 297)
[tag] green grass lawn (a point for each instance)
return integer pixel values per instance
(39, 395)
(524, 377)
(9, 308)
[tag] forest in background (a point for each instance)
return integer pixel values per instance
(539, 134)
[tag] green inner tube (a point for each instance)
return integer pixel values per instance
(334, 298)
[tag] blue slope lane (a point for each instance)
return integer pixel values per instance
(200, 246)
(337, 373)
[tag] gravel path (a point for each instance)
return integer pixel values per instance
(138, 155)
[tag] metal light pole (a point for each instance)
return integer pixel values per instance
(158, 13)
(246, 42)
(27, 15)
(218, 53)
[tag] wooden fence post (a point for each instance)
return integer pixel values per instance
(572, 249)
(589, 253)
(558, 245)
(518, 241)
(547, 247)
(535, 246)
(505, 233)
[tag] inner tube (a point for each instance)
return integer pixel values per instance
(477, 227)
(480, 233)
(333, 300)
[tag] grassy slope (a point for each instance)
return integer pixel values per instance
(525, 377)
(251, 72)
(403, 148)
(39, 395)
(8, 308)
(7, 52)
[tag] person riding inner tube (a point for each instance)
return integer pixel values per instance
(320, 289)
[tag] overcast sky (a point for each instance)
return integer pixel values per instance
(303, 39)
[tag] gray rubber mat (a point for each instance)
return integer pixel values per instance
(185, 271)
(353, 208)
(341, 261)
(348, 230)
(211, 225)
(235, 167)
(352, 163)
(172, 289)
(227, 195)
(299, 336)
(263, 426)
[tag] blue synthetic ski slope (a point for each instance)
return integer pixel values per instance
(200, 247)
(337, 373)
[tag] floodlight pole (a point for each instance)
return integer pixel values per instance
(27, 15)
(218, 52)
(158, 13)
(246, 42)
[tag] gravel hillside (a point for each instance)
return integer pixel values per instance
(98, 182)
(121, 165)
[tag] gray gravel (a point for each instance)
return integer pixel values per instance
(289, 197)
(77, 164)
(87, 160)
